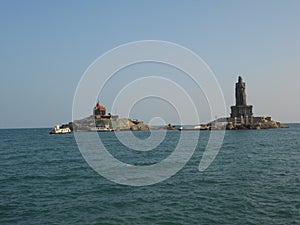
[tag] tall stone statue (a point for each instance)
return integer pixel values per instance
(241, 109)
(240, 92)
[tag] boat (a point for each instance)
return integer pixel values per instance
(200, 127)
(60, 130)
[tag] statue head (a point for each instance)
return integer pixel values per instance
(240, 79)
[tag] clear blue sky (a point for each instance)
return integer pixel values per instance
(47, 45)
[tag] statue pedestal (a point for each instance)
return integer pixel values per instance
(241, 111)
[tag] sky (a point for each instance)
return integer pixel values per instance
(46, 46)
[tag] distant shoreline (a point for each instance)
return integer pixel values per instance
(50, 127)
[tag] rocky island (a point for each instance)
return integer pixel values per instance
(108, 122)
(241, 116)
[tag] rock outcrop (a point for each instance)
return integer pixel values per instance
(254, 123)
(121, 124)
(241, 116)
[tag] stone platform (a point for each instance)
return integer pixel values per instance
(252, 123)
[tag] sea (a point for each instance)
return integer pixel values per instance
(254, 179)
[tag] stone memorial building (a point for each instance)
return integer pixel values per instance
(241, 109)
(241, 116)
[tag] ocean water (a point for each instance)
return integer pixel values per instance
(255, 179)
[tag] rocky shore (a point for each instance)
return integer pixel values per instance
(88, 124)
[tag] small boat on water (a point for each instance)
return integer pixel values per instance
(60, 130)
(200, 127)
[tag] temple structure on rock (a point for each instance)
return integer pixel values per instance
(99, 110)
(99, 113)
(103, 120)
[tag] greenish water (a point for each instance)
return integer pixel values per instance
(255, 179)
